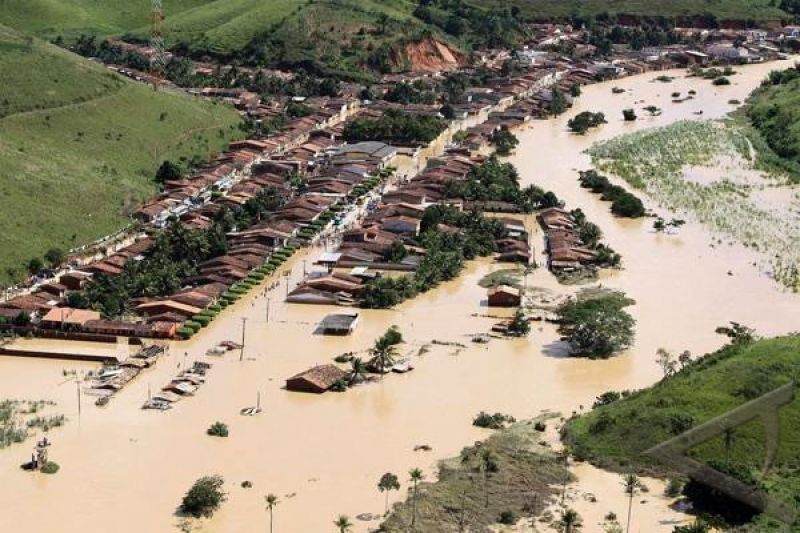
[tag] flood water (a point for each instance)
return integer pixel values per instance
(126, 469)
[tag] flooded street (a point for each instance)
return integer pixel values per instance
(127, 469)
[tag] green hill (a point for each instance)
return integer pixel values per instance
(79, 146)
(722, 9)
(615, 435)
(49, 18)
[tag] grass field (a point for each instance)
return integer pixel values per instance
(615, 435)
(722, 9)
(79, 146)
(49, 18)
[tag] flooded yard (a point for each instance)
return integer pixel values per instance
(323, 455)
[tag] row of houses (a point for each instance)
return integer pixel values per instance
(565, 249)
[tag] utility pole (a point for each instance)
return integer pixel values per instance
(267, 309)
(244, 325)
(78, 387)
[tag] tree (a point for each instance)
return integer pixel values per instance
(168, 171)
(685, 358)
(271, 501)
(558, 103)
(570, 521)
(358, 371)
(739, 334)
(55, 256)
(575, 90)
(205, 497)
(388, 482)
(504, 141)
(218, 429)
(383, 355)
(343, 524)
(597, 327)
(666, 360)
(629, 115)
(35, 265)
(632, 485)
(519, 326)
(416, 476)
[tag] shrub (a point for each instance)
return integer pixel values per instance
(508, 518)
(721, 81)
(629, 115)
(185, 332)
(191, 324)
(218, 429)
(673, 488)
(202, 320)
(495, 421)
(540, 426)
(50, 468)
(205, 497)
(581, 123)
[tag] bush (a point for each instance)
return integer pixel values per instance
(508, 518)
(50, 468)
(581, 123)
(204, 497)
(185, 332)
(202, 320)
(218, 429)
(629, 115)
(540, 426)
(495, 421)
(192, 325)
(673, 488)
(721, 81)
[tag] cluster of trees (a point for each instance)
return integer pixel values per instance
(481, 27)
(497, 181)
(603, 36)
(597, 326)
(53, 258)
(205, 497)
(623, 203)
(581, 122)
(175, 255)
(395, 127)
(87, 46)
(444, 258)
(591, 235)
(559, 103)
(410, 93)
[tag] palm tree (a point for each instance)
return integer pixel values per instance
(358, 371)
(632, 485)
(488, 466)
(570, 521)
(563, 455)
(383, 354)
(272, 501)
(343, 523)
(416, 476)
(388, 482)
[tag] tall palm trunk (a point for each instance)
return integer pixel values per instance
(630, 506)
(414, 505)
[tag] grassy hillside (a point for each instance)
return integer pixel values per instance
(774, 111)
(49, 18)
(722, 9)
(79, 146)
(615, 435)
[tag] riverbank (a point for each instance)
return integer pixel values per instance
(323, 455)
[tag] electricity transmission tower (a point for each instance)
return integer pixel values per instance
(157, 59)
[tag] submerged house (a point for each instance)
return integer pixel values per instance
(316, 380)
(338, 324)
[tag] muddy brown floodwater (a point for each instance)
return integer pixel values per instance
(125, 469)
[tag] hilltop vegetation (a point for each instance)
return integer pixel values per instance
(80, 146)
(774, 111)
(615, 434)
(720, 9)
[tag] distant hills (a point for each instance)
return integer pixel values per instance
(80, 145)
